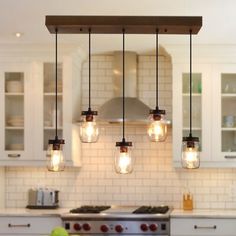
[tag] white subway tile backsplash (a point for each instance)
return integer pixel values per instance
(154, 180)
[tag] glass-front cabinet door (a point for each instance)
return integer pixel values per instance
(225, 110)
(181, 109)
(15, 117)
(45, 119)
(49, 109)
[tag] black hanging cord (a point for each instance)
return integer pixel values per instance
(190, 86)
(89, 69)
(123, 85)
(56, 30)
(157, 71)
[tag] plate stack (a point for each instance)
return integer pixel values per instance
(15, 121)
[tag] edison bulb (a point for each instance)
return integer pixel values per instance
(157, 129)
(123, 160)
(190, 155)
(55, 158)
(89, 132)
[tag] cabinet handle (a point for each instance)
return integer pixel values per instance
(204, 227)
(230, 157)
(11, 226)
(13, 155)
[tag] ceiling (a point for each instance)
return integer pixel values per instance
(28, 17)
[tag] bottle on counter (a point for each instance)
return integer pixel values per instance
(187, 201)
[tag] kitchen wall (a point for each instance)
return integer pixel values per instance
(154, 180)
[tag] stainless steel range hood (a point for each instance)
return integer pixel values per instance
(135, 110)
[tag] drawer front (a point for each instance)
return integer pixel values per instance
(203, 226)
(28, 225)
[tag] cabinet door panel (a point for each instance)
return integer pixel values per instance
(15, 118)
(202, 227)
(201, 104)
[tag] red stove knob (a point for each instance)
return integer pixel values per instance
(77, 227)
(144, 227)
(153, 227)
(86, 227)
(104, 228)
(119, 228)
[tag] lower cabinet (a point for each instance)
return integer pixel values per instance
(203, 226)
(30, 226)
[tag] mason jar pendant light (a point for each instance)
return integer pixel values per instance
(190, 145)
(123, 158)
(157, 128)
(55, 158)
(89, 131)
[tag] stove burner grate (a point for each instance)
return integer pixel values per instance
(89, 209)
(151, 210)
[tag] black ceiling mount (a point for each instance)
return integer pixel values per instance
(132, 24)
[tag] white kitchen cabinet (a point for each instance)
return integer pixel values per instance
(27, 116)
(213, 109)
(202, 226)
(16, 122)
(201, 109)
(224, 121)
(31, 226)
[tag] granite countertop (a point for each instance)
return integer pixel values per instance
(28, 212)
(204, 213)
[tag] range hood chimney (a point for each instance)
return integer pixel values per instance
(135, 110)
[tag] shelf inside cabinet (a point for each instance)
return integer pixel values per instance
(52, 94)
(193, 94)
(14, 128)
(193, 128)
(228, 95)
(52, 128)
(14, 94)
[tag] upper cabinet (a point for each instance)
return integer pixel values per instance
(213, 106)
(15, 113)
(201, 104)
(28, 110)
(224, 125)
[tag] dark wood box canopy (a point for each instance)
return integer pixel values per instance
(131, 24)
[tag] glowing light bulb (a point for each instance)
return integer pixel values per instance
(55, 158)
(124, 162)
(89, 132)
(190, 155)
(123, 159)
(157, 130)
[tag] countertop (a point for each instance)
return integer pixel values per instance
(204, 213)
(28, 212)
(176, 213)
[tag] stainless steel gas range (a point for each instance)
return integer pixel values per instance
(118, 220)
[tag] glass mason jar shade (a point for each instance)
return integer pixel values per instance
(89, 132)
(55, 157)
(123, 159)
(157, 128)
(190, 153)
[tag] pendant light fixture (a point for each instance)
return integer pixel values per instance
(89, 131)
(190, 145)
(157, 128)
(55, 158)
(123, 158)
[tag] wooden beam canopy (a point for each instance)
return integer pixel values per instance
(131, 24)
